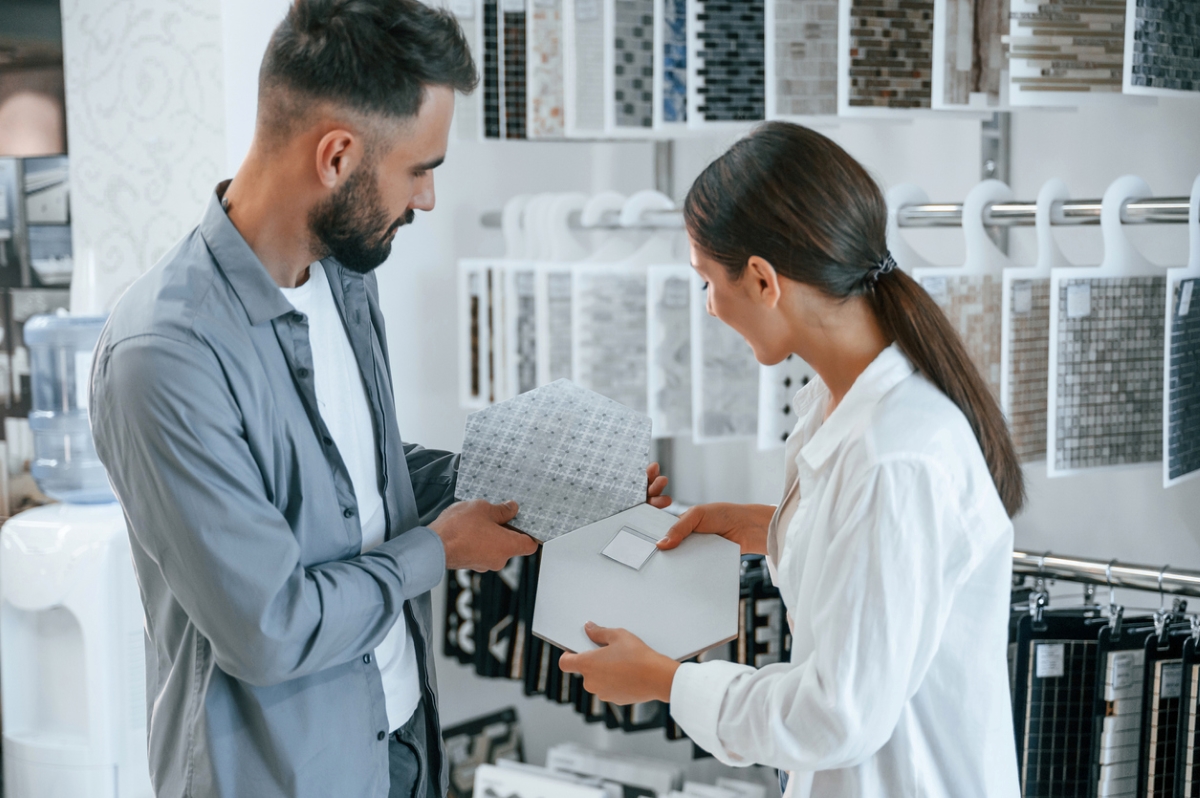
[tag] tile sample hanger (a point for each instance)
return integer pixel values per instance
(544, 64)
(670, 66)
(801, 58)
(1162, 48)
(583, 33)
(1181, 400)
(1055, 59)
(726, 62)
(1105, 401)
(629, 68)
(668, 349)
(566, 455)
(724, 377)
(970, 62)
(1025, 334)
(885, 57)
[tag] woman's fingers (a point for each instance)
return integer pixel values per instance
(686, 525)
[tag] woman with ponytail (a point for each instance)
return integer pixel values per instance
(892, 545)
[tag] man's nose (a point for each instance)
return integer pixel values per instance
(424, 199)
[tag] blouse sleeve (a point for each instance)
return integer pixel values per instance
(892, 569)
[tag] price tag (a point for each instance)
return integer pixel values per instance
(1079, 300)
(1185, 298)
(1122, 671)
(1051, 660)
(1022, 296)
(1172, 680)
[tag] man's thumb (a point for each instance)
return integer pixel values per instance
(503, 513)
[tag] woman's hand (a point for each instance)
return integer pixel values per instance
(624, 670)
(656, 483)
(744, 524)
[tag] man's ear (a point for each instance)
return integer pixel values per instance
(762, 282)
(338, 152)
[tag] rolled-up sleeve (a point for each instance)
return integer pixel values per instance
(891, 571)
(171, 436)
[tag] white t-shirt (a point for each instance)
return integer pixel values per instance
(342, 401)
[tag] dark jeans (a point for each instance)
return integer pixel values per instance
(408, 760)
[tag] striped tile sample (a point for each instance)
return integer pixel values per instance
(891, 53)
(545, 90)
(1110, 371)
(1121, 727)
(1029, 363)
(975, 54)
(1183, 436)
(1069, 46)
(491, 69)
(558, 318)
(674, 61)
(1166, 45)
(514, 74)
(806, 59)
(732, 60)
(972, 303)
(633, 66)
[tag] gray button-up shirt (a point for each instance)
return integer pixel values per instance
(261, 611)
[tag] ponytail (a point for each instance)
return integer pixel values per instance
(798, 200)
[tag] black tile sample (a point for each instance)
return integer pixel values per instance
(1183, 437)
(732, 60)
(1166, 45)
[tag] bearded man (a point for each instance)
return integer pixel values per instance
(285, 539)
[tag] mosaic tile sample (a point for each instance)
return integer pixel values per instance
(1029, 364)
(491, 69)
(973, 305)
(467, 111)
(1183, 437)
(975, 55)
(671, 354)
(569, 457)
(609, 314)
(589, 65)
(806, 57)
(545, 90)
(891, 53)
(674, 61)
(732, 60)
(558, 318)
(1166, 45)
(514, 74)
(633, 63)
(726, 402)
(526, 337)
(1073, 46)
(1110, 371)
(777, 390)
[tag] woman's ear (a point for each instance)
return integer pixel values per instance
(762, 282)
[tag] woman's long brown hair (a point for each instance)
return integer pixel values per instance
(799, 201)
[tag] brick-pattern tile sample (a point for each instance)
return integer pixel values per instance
(891, 53)
(491, 69)
(674, 61)
(633, 67)
(732, 69)
(514, 74)
(973, 305)
(806, 59)
(1183, 431)
(1029, 363)
(1110, 371)
(975, 54)
(1166, 45)
(609, 314)
(589, 65)
(1071, 46)
(545, 90)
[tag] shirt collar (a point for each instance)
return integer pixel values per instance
(887, 371)
(254, 286)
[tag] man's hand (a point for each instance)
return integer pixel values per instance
(624, 671)
(656, 483)
(474, 536)
(744, 524)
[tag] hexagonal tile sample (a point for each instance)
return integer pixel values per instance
(566, 455)
(679, 602)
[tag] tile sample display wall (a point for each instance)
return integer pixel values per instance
(672, 75)
(891, 54)
(1110, 372)
(1029, 345)
(803, 60)
(1163, 53)
(1059, 58)
(491, 69)
(545, 65)
(609, 339)
(973, 56)
(1183, 436)
(633, 63)
(728, 51)
(514, 68)
(972, 303)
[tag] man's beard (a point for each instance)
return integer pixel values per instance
(352, 226)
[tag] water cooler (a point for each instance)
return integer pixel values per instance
(72, 662)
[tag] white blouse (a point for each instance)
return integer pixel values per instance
(896, 568)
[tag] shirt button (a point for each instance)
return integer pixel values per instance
(349, 513)
(367, 658)
(380, 736)
(302, 372)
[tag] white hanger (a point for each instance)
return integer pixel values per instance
(642, 201)
(536, 226)
(905, 256)
(614, 245)
(1120, 255)
(564, 244)
(1050, 255)
(511, 221)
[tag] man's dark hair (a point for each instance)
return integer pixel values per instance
(374, 57)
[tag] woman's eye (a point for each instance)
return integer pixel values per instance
(705, 286)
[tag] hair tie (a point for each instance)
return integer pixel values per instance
(885, 265)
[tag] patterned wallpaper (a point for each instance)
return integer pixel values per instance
(145, 128)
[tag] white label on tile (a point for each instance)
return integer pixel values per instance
(1172, 680)
(1185, 298)
(463, 9)
(1051, 660)
(630, 548)
(1122, 671)
(587, 10)
(83, 373)
(1022, 296)
(935, 287)
(1079, 300)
